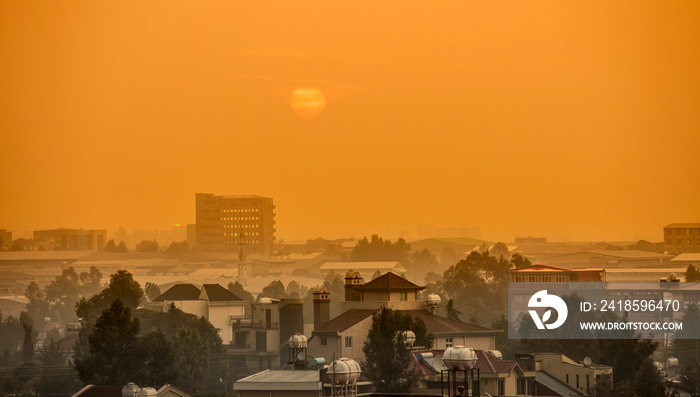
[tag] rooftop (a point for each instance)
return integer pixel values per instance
(281, 380)
(691, 257)
(360, 265)
(681, 225)
(388, 282)
(180, 292)
(217, 293)
(346, 320)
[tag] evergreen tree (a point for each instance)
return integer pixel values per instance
(648, 381)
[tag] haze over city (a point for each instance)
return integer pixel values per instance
(576, 121)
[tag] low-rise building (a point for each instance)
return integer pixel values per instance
(558, 375)
(215, 303)
(682, 237)
(71, 239)
(366, 269)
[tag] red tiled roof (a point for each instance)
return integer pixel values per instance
(346, 320)
(441, 325)
(389, 282)
(540, 268)
(485, 362)
(67, 343)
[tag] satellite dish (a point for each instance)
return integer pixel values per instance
(587, 361)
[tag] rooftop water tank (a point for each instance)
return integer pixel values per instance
(265, 301)
(147, 392)
(496, 353)
(433, 300)
(130, 390)
(297, 341)
(345, 371)
(409, 337)
(459, 357)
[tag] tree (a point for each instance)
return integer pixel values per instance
(685, 341)
(113, 348)
(519, 261)
(152, 291)
(237, 289)
(648, 381)
(147, 246)
(500, 250)
(293, 288)
(452, 313)
(386, 353)
(158, 359)
(91, 281)
(177, 247)
(274, 290)
(692, 274)
(192, 355)
(110, 246)
(28, 341)
(121, 247)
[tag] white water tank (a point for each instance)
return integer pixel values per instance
(459, 357)
(409, 337)
(297, 341)
(433, 300)
(496, 353)
(345, 371)
(265, 301)
(147, 392)
(130, 390)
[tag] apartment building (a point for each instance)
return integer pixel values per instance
(680, 238)
(71, 239)
(232, 223)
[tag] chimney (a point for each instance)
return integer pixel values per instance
(322, 307)
(353, 279)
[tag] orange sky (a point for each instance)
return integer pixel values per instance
(568, 119)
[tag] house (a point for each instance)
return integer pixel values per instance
(344, 335)
(558, 375)
(497, 377)
(261, 340)
(130, 390)
(554, 274)
(213, 302)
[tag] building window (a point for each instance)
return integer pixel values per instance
(567, 379)
(448, 342)
(588, 383)
(519, 278)
(403, 296)
(546, 278)
(560, 278)
(348, 342)
(577, 386)
(532, 278)
(324, 341)
(522, 386)
(501, 387)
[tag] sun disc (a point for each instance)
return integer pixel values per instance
(307, 103)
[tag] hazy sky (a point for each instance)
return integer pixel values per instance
(576, 120)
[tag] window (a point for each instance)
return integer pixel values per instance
(567, 379)
(448, 342)
(522, 386)
(560, 278)
(403, 296)
(324, 341)
(546, 278)
(501, 387)
(680, 241)
(588, 383)
(348, 342)
(532, 278)
(577, 386)
(519, 278)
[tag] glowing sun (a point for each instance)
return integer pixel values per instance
(307, 103)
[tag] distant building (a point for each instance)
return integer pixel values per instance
(227, 223)
(215, 303)
(554, 274)
(192, 236)
(609, 259)
(366, 269)
(5, 239)
(531, 240)
(281, 383)
(71, 239)
(682, 237)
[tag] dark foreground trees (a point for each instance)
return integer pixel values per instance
(386, 353)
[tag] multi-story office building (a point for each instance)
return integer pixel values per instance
(228, 223)
(682, 237)
(71, 239)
